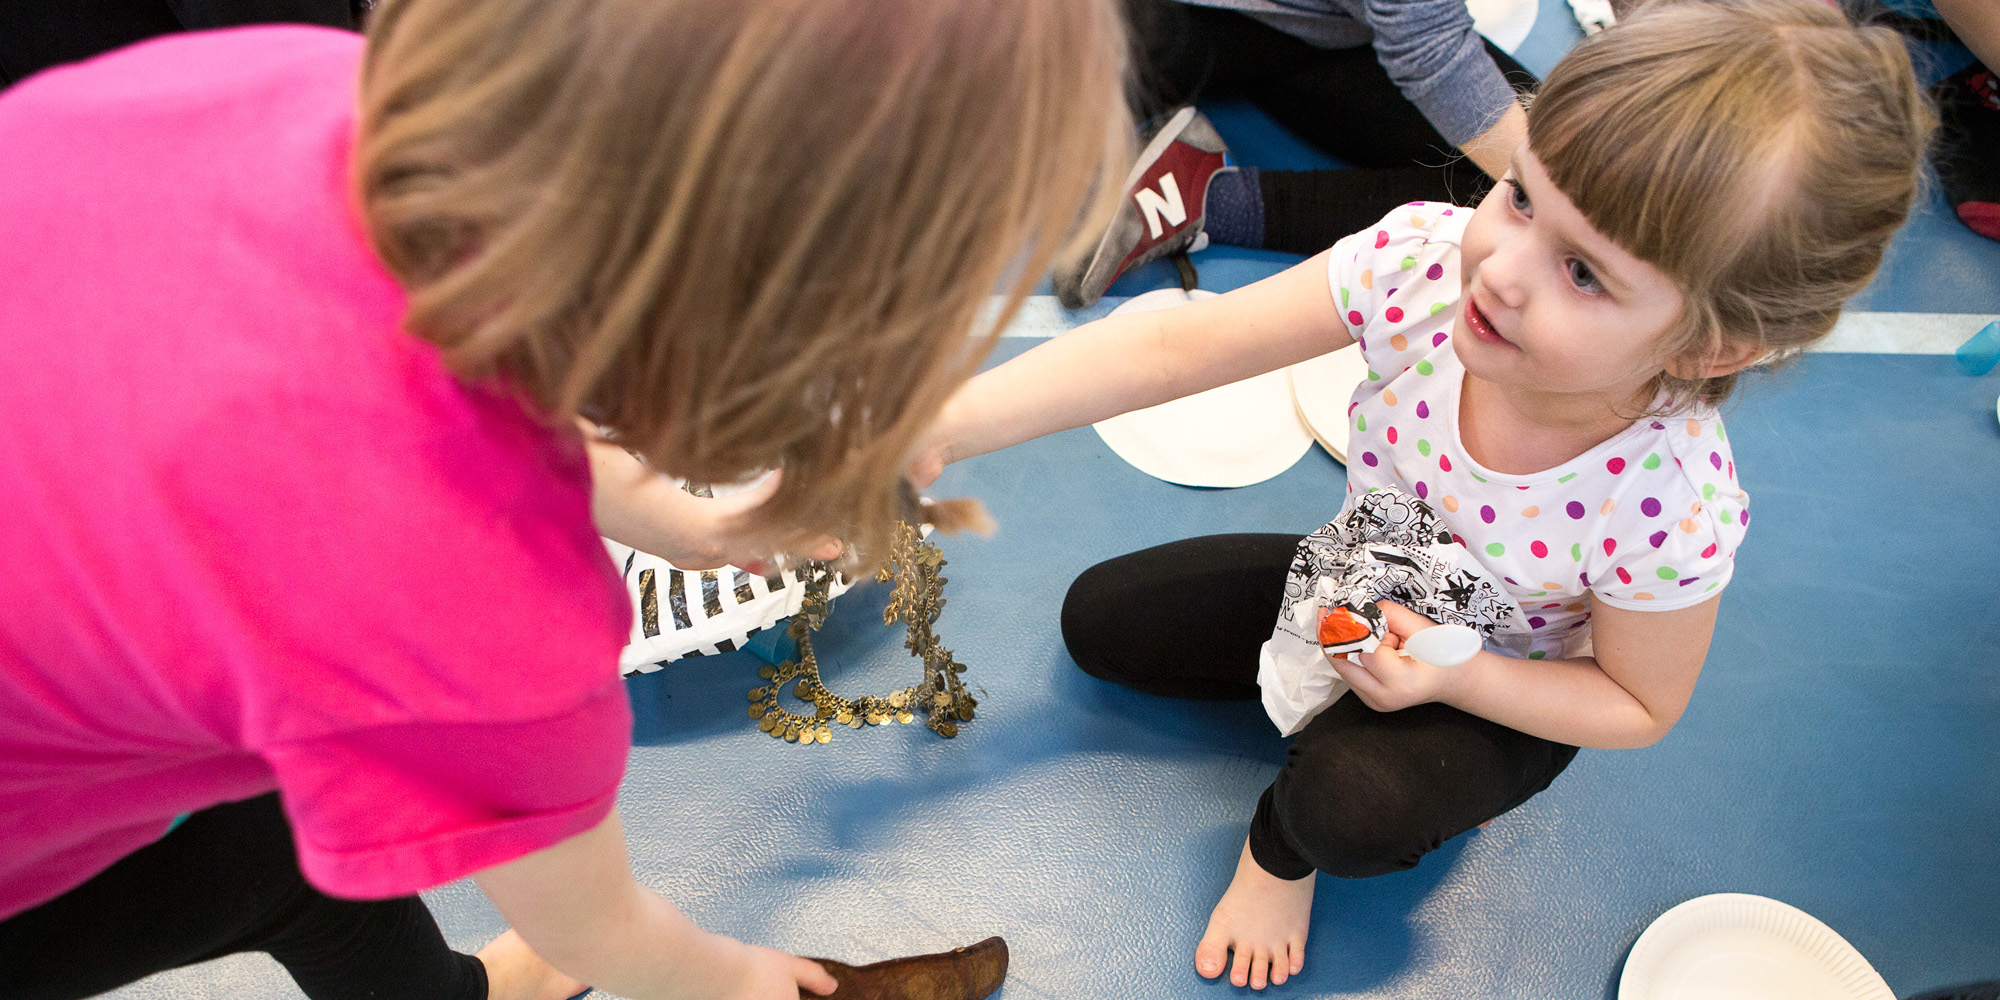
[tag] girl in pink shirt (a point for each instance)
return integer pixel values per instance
(298, 534)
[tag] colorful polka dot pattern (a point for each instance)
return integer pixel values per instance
(1650, 519)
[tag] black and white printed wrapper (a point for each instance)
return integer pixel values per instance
(1388, 546)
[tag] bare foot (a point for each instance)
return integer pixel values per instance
(515, 972)
(1263, 919)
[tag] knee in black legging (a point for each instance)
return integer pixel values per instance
(1087, 609)
(1346, 813)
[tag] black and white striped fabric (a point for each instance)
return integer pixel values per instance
(680, 613)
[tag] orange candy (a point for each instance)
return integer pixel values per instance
(1338, 626)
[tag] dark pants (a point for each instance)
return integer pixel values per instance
(1967, 151)
(37, 34)
(1362, 792)
(1989, 990)
(1189, 52)
(225, 881)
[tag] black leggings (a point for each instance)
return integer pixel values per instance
(35, 36)
(225, 881)
(1188, 52)
(1362, 792)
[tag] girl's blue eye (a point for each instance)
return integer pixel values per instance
(1517, 197)
(1582, 277)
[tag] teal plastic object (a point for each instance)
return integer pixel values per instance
(1978, 355)
(773, 645)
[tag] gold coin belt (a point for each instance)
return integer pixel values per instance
(918, 598)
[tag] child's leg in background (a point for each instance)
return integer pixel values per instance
(1968, 146)
(1362, 792)
(36, 36)
(226, 881)
(1339, 100)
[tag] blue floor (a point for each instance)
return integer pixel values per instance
(1842, 752)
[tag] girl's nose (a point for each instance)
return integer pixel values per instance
(1502, 271)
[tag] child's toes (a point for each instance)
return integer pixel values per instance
(1239, 970)
(1211, 955)
(1279, 962)
(1297, 949)
(1260, 968)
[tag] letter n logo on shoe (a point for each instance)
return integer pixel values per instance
(1166, 202)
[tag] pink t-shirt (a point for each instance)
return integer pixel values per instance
(252, 536)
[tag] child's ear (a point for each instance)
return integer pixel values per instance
(1725, 358)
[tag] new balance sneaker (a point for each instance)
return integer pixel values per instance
(1166, 197)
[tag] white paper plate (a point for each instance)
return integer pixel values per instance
(1506, 22)
(1321, 390)
(1232, 435)
(1735, 946)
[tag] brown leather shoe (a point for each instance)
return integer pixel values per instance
(969, 973)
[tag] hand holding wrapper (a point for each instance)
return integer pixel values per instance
(1388, 546)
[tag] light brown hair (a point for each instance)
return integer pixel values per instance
(1761, 153)
(739, 234)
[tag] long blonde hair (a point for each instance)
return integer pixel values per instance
(1761, 153)
(739, 234)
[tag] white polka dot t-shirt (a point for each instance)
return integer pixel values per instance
(1648, 520)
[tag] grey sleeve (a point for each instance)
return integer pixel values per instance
(1432, 54)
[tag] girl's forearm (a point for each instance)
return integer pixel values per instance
(1494, 149)
(1977, 24)
(648, 512)
(577, 905)
(645, 947)
(1567, 701)
(1128, 362)
(1096, 371)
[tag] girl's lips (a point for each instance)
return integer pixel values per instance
(1483, 329)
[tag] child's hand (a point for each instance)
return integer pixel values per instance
(700, 531)
(1386, 680)
(651, 514)
(773, 975)
(928, 461)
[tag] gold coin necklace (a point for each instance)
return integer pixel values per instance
(918, 598)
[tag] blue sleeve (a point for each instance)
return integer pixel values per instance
(1440, 64)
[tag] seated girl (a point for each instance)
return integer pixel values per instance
(1701, 189)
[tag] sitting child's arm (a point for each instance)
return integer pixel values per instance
(638, 507)
(1629, 694)
(1129, 362)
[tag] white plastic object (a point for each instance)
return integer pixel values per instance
(1593, 16)
(1443, 645)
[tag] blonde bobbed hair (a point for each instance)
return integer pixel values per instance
(1761, 153)
(738, 234)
